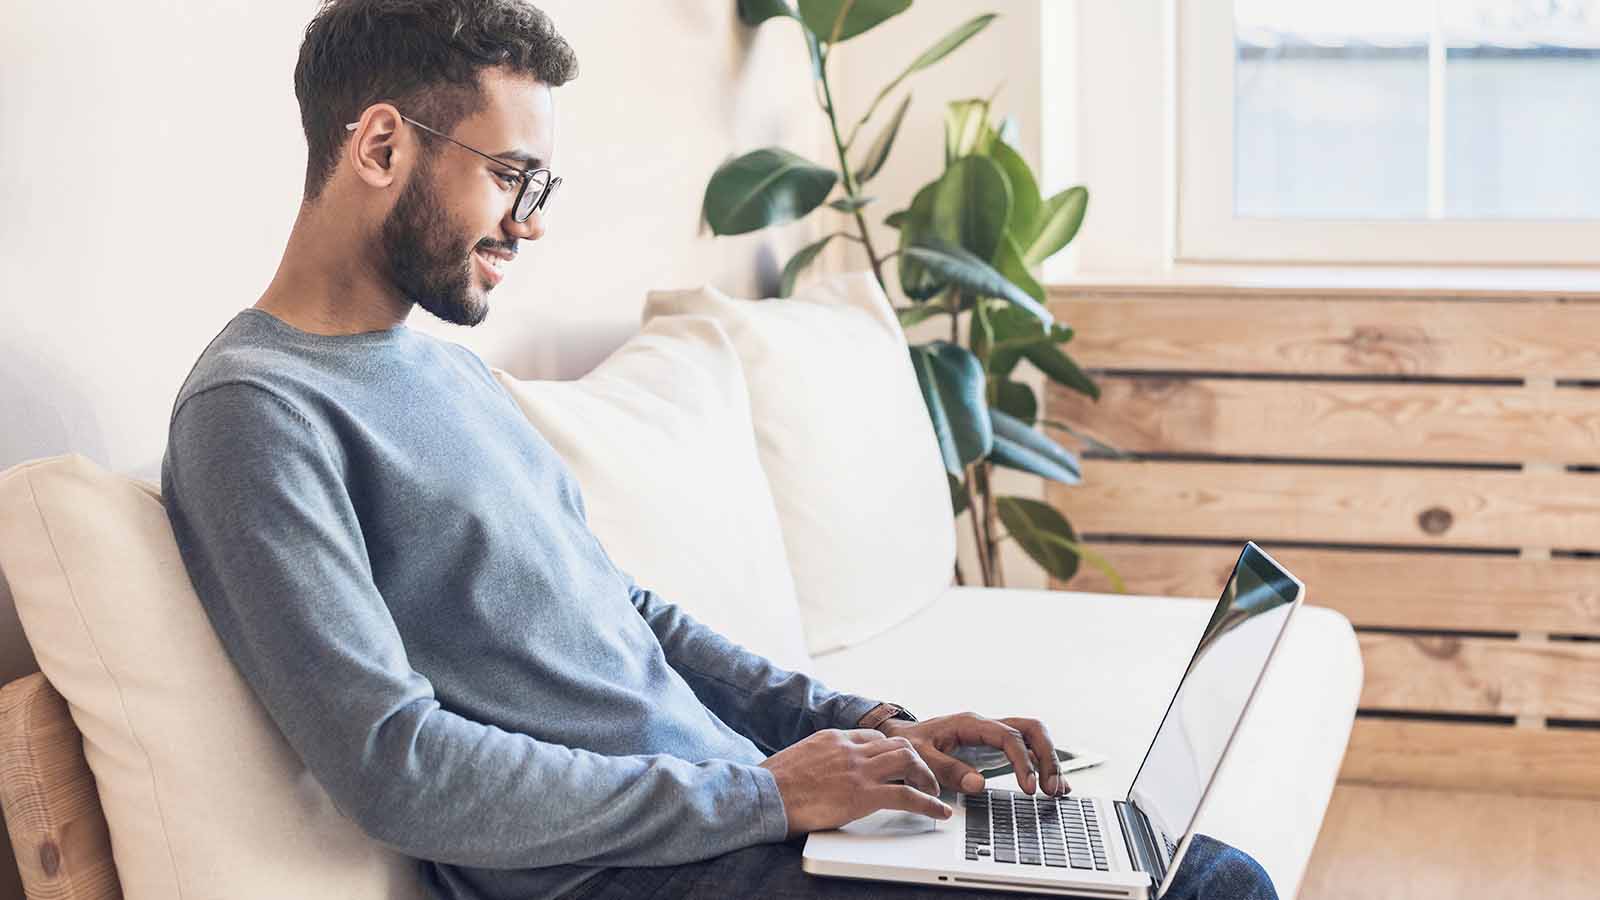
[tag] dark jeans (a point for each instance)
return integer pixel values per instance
(1210, 871)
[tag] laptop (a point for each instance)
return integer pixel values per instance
(1003, 840)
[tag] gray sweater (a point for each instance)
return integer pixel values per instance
(401, 568)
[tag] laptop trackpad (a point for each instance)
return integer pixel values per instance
(891, 822)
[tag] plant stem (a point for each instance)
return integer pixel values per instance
(992, 547)
(978, 541)
(851, 189)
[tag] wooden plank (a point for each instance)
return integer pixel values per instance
(52, 809)
(1383, 589)
(1481, 676)
(1391, 843)
(1547, 762)
(1337, 284)
(1335, 504)
(1456, 338)
(1338, 420)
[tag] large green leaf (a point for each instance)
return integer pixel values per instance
(966, 129)
(958, 266)
(894, 219)
(1016, 399)
(754, 12)
(798, 262)
(769, 186)
(1042, 532)
(1018, 446)
(1060, 368)
(1008, 335)
(1058, 222)
(833, 21)
(879, 151)
(1008, 261)
(971, 204)
(1025, 200)
(916, 223)
(952, 388)
(1001, 333)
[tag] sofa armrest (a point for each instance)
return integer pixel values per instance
(52, 809)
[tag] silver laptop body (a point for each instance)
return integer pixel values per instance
(1093, 846)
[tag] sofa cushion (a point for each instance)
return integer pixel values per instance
(1118, 661)
(847, 448)
(659, 438)
(203, 796)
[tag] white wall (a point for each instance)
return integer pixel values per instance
(1120, 75)
(151, 161)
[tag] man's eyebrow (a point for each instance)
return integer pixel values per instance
(528, 160)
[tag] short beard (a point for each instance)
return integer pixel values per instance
(424, 263)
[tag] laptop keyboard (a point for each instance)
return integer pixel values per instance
(1013, 827)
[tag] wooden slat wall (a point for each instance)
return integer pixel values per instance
(1426, 464)
(1342, 420)
(1391, 505)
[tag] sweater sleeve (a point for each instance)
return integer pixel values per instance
(272, 543)
(772, 706)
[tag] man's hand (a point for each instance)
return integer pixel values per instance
(1025, 741)
(837, 776)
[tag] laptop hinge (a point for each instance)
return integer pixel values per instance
(1141, 842)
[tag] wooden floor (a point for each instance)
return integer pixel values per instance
(1381, 843)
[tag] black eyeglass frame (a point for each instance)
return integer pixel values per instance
(523, 175)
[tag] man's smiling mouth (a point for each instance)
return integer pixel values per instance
(491, 261)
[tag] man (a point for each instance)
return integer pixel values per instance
(401, 567)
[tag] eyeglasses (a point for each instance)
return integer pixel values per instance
(543, 185)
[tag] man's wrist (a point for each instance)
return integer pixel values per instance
(884, 712)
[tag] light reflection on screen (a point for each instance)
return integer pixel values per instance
(1209, 703)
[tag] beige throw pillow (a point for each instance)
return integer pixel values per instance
(659, 438)
(847, 447)
(204, 797)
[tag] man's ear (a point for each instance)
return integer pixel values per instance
(375, 149)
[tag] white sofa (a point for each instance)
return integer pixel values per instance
(765, 464)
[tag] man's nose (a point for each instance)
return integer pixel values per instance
(530, 230)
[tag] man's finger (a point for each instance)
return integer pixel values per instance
(995, 733)
(1044, 752)
(909, 799)
(952, 771)
(903, 763)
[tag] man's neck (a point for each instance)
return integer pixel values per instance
(326, 285)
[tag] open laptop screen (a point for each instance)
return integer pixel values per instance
(1211, 699)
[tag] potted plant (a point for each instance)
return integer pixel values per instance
(968, 243)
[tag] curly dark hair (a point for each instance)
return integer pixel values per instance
(422, 55)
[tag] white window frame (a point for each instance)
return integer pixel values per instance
(1208, 232)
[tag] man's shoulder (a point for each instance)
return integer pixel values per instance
(247, 364)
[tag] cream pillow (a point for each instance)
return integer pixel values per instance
(847, 447)
(659, 438)
(204, 797)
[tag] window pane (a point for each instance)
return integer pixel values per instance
(1522, 88)
(1331, 109)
